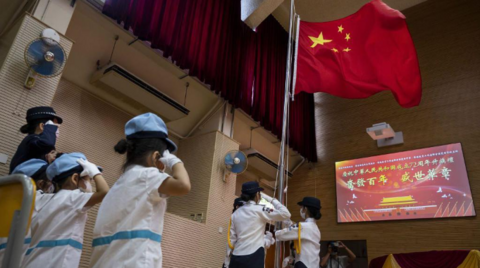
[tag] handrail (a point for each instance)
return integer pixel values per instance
(13, 252)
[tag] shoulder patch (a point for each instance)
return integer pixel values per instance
(268, 210)
(295, 226)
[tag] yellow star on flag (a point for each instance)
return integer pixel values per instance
(335, 50)
(340, 29)
(319, 40)
(347, 37)
(346, 49)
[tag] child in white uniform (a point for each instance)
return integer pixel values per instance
(306, 235)
(35, 169)
(58, 226)
(269, 240)
(248, 227)
(129, 226)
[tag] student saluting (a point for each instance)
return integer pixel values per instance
(59, 219)
(129, 225)
(35, 169)
(248, 227)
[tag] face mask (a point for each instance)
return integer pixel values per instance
(88, 188)
(302, 213)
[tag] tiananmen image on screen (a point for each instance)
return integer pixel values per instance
(417, 184)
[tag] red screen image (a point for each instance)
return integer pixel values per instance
(417, 184)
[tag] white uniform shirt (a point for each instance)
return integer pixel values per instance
(248, 226)
(310, 241)
(339, 262)
(269, 240)
(57, 230)
(129, 225)
(3, 246)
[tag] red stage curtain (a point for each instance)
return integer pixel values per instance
(447, 258)
(430, 259)
(208, 38)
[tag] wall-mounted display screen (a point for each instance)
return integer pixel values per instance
(417, 184)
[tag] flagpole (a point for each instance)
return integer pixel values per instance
(281, 166)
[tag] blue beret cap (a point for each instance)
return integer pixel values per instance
(147, 126)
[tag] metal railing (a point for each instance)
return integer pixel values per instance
(19, 219)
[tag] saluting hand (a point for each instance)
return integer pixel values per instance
(169, 160)
(266, 197)
(89, 169)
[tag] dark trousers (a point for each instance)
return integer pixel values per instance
(255, 260)
(300, 265)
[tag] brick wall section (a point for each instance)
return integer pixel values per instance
(93, 127)
(449, 55)
(191, 244)
(15, 98)
(197, 154)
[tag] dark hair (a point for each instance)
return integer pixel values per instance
(59, 183)
(138, 149)
(235, 207)
(248, 197)
(41, 174)
(239, 206)
(58, 155)
(314, 212)
(32, 126)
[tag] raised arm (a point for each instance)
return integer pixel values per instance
(100, 193)
(179, 183)
(351, 255)
(287, 234)
(325, 258)
(92, 171)
(46, 140)
(280, 212)
(324, 261)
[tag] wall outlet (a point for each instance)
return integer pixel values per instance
(3, 158)
(199, 217)
(220, 230)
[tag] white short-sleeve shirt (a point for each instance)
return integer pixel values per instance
(339, 262)
(129, 225)
(57, 230)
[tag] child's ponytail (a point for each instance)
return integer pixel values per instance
(121, 147)
(31, 127)
(314, 213)
(25, 129)
(137, 150)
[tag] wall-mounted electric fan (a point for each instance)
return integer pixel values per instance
(235, 162)
(44, 56)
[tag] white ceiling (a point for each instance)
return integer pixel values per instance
(327, 10)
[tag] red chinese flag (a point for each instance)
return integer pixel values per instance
(360, 55)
